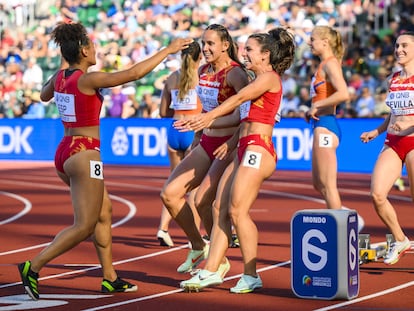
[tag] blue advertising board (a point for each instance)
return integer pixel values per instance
(138, 141)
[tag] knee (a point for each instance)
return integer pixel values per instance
(86, 230)
(378, 198)
(168, 198)
(165, 198)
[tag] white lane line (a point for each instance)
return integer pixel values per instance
(132, 212)
(171, 292)
(303, 197)
(367, 297)
(120, 262)
(26, 209)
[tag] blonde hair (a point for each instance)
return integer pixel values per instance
(334, 39)
(188, 72)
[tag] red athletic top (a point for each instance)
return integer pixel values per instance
(75, 108)
(400, 96)
(320, 88)
(266, 108)
(212, 88)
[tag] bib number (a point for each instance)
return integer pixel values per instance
(96, 169)
(325, 140)
(252, 159)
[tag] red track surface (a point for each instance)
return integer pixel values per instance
(35, 205)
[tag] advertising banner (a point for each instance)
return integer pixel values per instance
(138, 141)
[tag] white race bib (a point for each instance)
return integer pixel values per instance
(66, 106)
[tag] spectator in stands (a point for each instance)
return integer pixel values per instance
(152, 25)
(381, 108)
(289, 83)
(118, 102)
(32, 75)
(290, 104)
(149, 107)
(34, 107)
(365, 104)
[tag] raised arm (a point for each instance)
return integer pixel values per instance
(96, 80)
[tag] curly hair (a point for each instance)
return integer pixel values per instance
(70, 37)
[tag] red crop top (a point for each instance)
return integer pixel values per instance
(75, 108)
(266, 108)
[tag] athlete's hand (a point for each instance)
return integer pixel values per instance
(221, 152)
(368, 136)
(179, 44)
(196, 123)
(312, 113)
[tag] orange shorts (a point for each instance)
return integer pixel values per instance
(70, 145)
(256, 140)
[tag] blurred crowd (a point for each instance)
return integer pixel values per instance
(127, 31)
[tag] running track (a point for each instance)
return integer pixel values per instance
(35, 205)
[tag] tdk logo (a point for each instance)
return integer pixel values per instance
(146, 141)
(15, 140)
(314, 220)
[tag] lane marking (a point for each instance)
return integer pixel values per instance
(303, 197)
(125, 302)
(26, 209)
(367, 297)
(119, 262)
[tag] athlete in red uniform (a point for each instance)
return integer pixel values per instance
(179, 100)
(78, 159)
(221, 77)
(268, 55)
(399, 145)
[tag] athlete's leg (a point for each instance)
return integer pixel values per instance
(184, 178)
(324, 166)
(387, 169)
(87, 193)
(221, 231)
(245, 188)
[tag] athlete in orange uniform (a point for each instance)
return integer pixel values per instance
(268, 55)
(328, 89)
(399, 145)
(78, 159)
